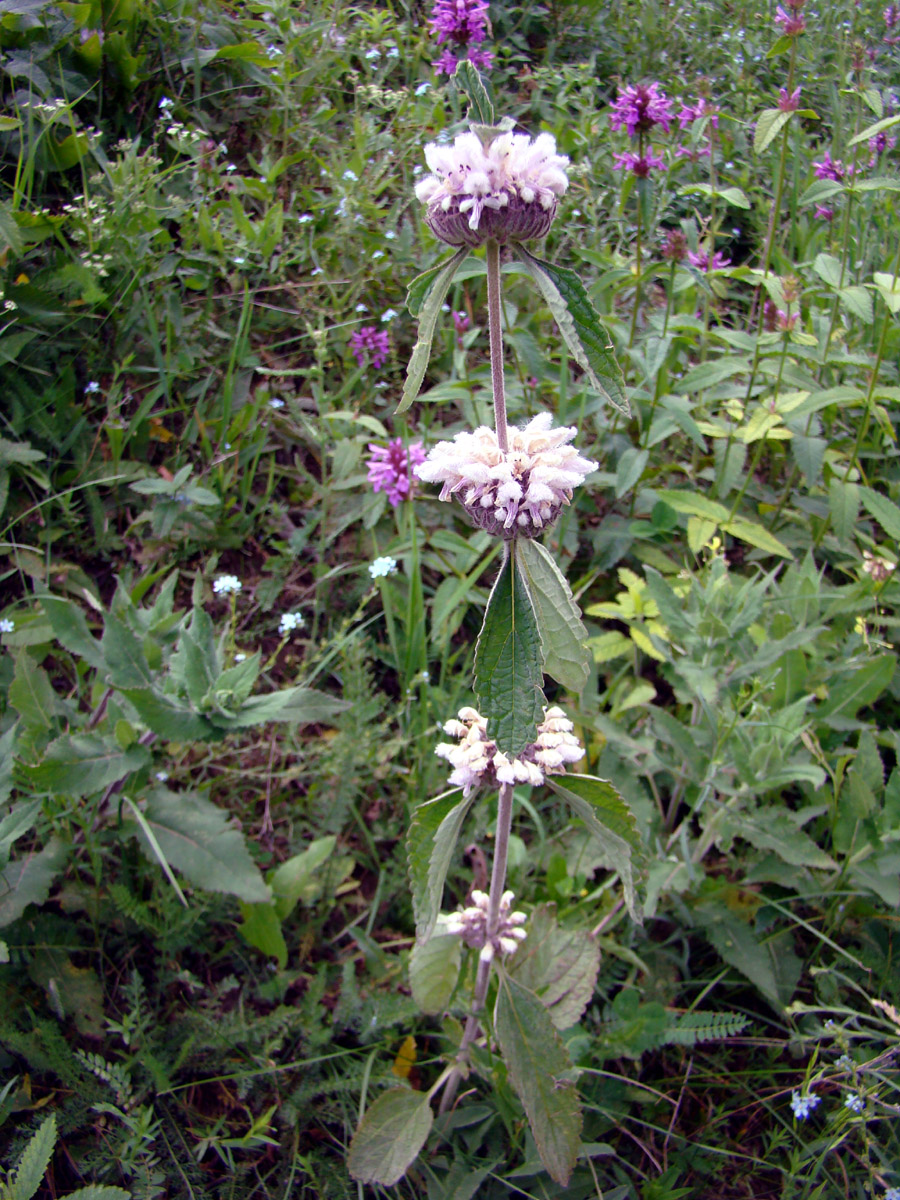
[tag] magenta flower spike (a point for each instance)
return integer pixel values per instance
(391, 467)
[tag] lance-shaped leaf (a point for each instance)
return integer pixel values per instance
(468, 81)
(580, 326)
(389, 1137)
(509, 663)
(559, 965)
(433, 834)
(434, 971)
(540, 1071)
(563, 637)
(426, 295)
(81, 764)
(612, 823)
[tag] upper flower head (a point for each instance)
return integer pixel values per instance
(519, 491)
(476, 760)
(460, 21)
(227, 585)
(641, 107)
(792, 22)
(802, 1106)
(370, 341)
(788, 101)
(389, 468)
(507, 190)
(708, 260)
(638, 165)
(829, 168)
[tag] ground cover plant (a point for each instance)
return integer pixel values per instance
(245, 951)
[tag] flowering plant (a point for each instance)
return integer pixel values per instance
(494, 187)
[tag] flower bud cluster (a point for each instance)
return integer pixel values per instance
(476, 760)
(471, 924)
(519, 491)
(507, 190)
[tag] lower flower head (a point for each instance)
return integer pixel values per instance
(471, 925)
(507, 190)
(476, 761)
(802, 1106)
(708, 260)
(517, 492)
(390, 468)
(379, 568)
(372, 343)
(227, 585)
(637, 164)
(639, 107)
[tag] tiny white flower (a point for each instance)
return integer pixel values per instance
(6, 625)
(378, 254)
(388, 315)
(361, 308)
(423, 88)
(373, 54)
(239, 657)
(304, 218)
(393, 52)
(162, 776)
(272, 52)
(390, 235)
(227, 585)
(382, 566)
(276, 402)
(342, 207)
(92, 387)
(239, 261)
(290, 621)
(351, 176)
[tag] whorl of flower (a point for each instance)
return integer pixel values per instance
(892, 15)
(381, 567)
(372, 343)
(476, 760)
(829, 168)
(792, 23)
(507, 191)
(693, 112)
(823, 213)
(880, 144)
(471, 925)
(290, 622)
(788, 101)
(459, 21)
(640, 107)
(708, 260)
(517, 492)
(692, 153)
(675, 246)
(877, 568)
(637, 164)
(390, 468)
(227, 585)
(855, 1102)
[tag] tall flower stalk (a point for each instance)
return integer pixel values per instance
(496, 189)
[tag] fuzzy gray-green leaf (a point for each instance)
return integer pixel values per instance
(389, 1137)
(539, 1070)
(468, 81)
(509, 663)
(580, 326)
(428, 304)
(563, 636)
(433, 833)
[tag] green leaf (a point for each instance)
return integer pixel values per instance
(99, 1191)
(469, 82)
(27, 879)
(756, 535)
(873, 130)
(769, 124)
(296, 879)
(17, 822)
(169, 718)
(200, 660)
(829, 269)
(611, 822)
(434, 971)
(418, 290)
(843, 503)
(123, 651)
(695, 504)
(629, 469)
(849, 693)
(777, 833)
(737, 945)
(71, 630)
(567, 658)
(559, 965)
(82, 764)
(261, 929)
(433, 834)
(34, 1162)
(301, 705)
(31, 694)
(197, 840)
(508, 663)
(580, 326)
(858, 302)
(540, 1072)
(429, 309)
(889, 289)
(390, 1135)
(885, 511)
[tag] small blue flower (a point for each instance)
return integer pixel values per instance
(393, 52)
(272, 52)
(802, 1106)
(227, 585)
(893, 1193)
(361, 308)
(351, 176)
(373, 54)
(423, 88)
(390, 235)
(276, 402)
(378, 254)
(7, 626)
(382, 566)
(91, 388)
(855, 1102)
(388, 315)
(304, 218)
(162, 776)
(239, 657)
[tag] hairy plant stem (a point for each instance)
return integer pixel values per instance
(637, 256)
(483, 974)
(495, 330)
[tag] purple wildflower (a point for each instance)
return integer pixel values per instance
(692, 153)
(482, 60)
(693, 112)
(640, 165)
(641, 107)
(788, 101)
(446, 64)
(372, 343)
(879, 145)
(823, 213)
(460, 324)
(708, 260)
(892, 15)
(829, 168)
(460, 21)
(675, 245)
(390, 468)
(793, 22)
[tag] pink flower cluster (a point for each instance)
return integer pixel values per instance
(638, 164)
(708, 260)
(463, 23)
(390, 468)
(640, 107)
(791, 19)
(369, 342)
